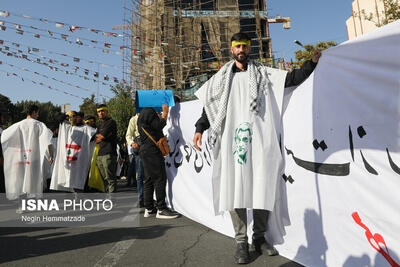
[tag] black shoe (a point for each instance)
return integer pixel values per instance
(167, 214)
(141, 204)
(242, 255)
(263, 247)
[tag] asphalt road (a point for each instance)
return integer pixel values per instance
(155, 242)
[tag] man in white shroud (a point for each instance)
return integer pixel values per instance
(74, 154)
(25, 144)
(242, 107)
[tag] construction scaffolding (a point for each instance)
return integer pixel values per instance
(179, 44)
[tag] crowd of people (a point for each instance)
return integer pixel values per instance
(242, 116)
(38, 160)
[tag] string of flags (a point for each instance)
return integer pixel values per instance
(52, 78)
(136, 52)
(39, 59)
(106, 77)
(61, 25)
(80, 40)
(146, 55)
(19, 54)
(9, 52)
(40, 83)
(30, 51)
(74, 58)
(64, 37)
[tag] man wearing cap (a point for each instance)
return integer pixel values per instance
(106, 137)
(71, 117)
(90, 120)
(242, 110)
(73, 155)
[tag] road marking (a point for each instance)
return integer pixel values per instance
(116, 252)
(121, 247)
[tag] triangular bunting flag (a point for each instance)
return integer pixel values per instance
(4, 14)
(73, 28)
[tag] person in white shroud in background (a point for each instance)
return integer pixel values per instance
(74, 154)
(25, 144)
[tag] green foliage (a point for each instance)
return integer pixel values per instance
(121, 108)
(390, 13)
(48, 113)
(89, 106)
(304, 55)
(7, 109)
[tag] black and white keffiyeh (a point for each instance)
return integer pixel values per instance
(217, 91)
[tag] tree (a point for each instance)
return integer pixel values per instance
(121, 108)
(89, 106)
(304, 55)
(390, 13)
(7, 109)
(48, 113)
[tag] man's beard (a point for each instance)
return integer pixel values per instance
(242, 60)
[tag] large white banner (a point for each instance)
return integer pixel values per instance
(341, 141)
(342, 147)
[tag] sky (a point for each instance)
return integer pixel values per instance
(311, 21)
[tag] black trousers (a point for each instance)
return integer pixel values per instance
(155, 178)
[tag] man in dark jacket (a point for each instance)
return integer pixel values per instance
(106, 137)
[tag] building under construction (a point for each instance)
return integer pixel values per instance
(179, 44)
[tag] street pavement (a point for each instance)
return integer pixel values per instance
(155, 242)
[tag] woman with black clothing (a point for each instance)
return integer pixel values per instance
(155, 177)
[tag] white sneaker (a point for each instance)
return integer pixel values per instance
(148, 213)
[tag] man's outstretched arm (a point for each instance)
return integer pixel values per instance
(297, 76)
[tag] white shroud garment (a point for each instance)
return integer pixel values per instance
(24, 145)
(248, 160)
(74, 153)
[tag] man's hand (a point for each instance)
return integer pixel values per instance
(99, 138)
(165, 110)
(197, 138)
(51, 160)
(135, 146)
(316, 56)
